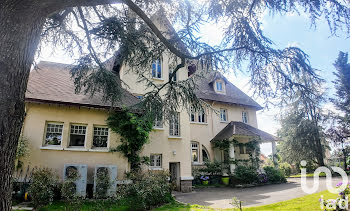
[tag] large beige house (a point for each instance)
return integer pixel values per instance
(67, 128)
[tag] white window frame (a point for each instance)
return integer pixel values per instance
(198, 117)
(70, 133)
(93, 136)
(195, 146)
(192, 115)
(174, 125)
(221, 86)
(223, 114)
(154, 160)
(158, 123)
(158, 69)
(46, 131)
(202, 117)
(245, 118)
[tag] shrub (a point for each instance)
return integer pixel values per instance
(196, 172)
(274, 175)
(262, 178)
(286, 168)
(212, 168)
(42, 188)
(245, 175)
(147, 190)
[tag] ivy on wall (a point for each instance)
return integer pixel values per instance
(134, 130)
(252, 147)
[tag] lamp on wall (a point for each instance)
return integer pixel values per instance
(174, 152)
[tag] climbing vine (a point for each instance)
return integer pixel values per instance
(134, 130)
(252, 148)
(22, 151)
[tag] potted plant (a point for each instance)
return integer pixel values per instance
(205, 180)
(225, 180)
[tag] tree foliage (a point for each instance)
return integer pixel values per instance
(300, 136)
(339, 135)
(339, 132)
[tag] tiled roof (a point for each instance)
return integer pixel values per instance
(242, 129)
(233, 94)
(52, 83)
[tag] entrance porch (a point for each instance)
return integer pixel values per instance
(240, 142)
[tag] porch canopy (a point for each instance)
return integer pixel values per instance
(235, 128)
(240, 129)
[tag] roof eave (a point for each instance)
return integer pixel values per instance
(34, 100)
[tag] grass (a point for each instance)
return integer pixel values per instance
(86, 206)
(309, 202)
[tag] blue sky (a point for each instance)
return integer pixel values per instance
(285, 30)
(317, 43)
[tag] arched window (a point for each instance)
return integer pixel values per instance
(205, 154)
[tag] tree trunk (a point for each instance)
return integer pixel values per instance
(20, 28)
(344, 156)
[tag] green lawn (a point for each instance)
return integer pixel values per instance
(309, 202)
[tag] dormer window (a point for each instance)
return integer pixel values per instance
(219, 86)
(157, 69)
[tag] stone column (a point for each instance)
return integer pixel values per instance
(232, 157)
(274, 160)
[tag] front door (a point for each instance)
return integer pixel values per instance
(175, 175)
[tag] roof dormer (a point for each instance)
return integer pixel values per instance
(218, 82)
(219, 86)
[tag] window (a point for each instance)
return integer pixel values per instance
(198, 116)
(241, 149)
(195, 152)
(77, 135)
(156, 161)
(245, 117)
(205, 154)
(223, 115)
(219, 86)
(158, 121)
(192, 115)
(174, 125)
(100, 137)
(201, 116)
(157, 69)
(174, 77)
(53, 133)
